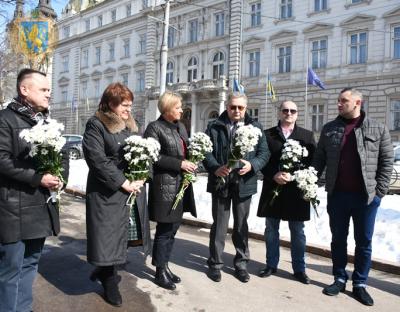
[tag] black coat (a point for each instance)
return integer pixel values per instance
(24, 211)
(167, 173)
(107, 214)
(289, 205)
(220, 137)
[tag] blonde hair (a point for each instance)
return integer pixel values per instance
(167, 101)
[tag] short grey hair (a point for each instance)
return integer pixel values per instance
(353, 92)
(236, 95)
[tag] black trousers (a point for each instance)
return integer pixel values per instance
(164, 242)
(221, 208)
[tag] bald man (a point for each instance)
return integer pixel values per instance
(26, 217)
(289, 205)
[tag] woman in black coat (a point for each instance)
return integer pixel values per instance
(167, 179)
(107, 190)
(289, 205)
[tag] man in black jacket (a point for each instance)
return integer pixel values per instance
(289, 205)
(240, 185)
(26, 215)
(358, 155)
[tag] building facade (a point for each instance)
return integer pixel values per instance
(211, 43)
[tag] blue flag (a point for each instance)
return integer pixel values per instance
(237, 87)
(313, 79)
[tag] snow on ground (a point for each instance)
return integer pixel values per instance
(386, 240)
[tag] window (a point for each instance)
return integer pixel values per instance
(320, 5)
(253, 113)
(170, 72)
(84, 89)
(218, 65)
(65, 63)
(64, 94)
(114, 15)
(284, 59)
(395, 114)
(171, 37)
(109, 80)
(317, 117)
(111, 51)
(140, 81)
(212, 116)
(319, 53)
(192, 69)
(87, 24)
(96, 84)
(255, 14)
(142, 44)
(124, 79)
(66, 31)
(85, 58)
(193, 31)
(97, 55)
(128, 10)
(358, 48)
(126, 47)
(145, 4)
(219, 24)
(99, 20)
(286, 9)
(254, 64)
(396, 42)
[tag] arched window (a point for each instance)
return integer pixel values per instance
(170, 72)
(212, 116)
(218, 65)
(192, 69)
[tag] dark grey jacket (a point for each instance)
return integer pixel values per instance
(24, 210)
(220, 136)
(107, 214)
(167, 173)
(374, 148)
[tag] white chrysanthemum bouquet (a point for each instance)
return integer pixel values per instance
(292, 155)
(140, 154)
(199, 145)
(306, 180)
(245, 140)
(46, 144)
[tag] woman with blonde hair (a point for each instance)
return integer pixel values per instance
(107, 190)
(167, 178)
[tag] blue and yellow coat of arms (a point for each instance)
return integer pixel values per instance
(34, 39)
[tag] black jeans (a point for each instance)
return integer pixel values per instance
(221, 208)
(164, 242)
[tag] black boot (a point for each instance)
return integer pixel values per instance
(174, 278)
(109, 280)
(162, 279)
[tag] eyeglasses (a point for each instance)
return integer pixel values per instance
(286, 111)
(235, 107)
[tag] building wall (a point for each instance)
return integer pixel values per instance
(246, 33)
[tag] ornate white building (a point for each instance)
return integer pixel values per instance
(346, 42)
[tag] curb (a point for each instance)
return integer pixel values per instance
(377, 264)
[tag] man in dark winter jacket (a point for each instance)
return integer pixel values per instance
(358, 155)
(289, 205)
(240, 184)
(26, 215)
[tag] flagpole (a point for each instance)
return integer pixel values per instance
(306, 104)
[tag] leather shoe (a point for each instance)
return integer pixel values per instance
(111, 291)
(267, 271)
(302, 277)
(361, 294)
(162, 279)
(334, 289)
(242, 276)
(214, 274)
(174, 278)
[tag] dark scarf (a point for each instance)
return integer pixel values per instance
(25, 109)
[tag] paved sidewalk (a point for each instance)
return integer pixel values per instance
(63, 282)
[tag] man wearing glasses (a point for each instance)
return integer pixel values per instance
(289, 205)
(240, 184)
(358, 155)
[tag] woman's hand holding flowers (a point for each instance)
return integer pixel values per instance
(188, 166)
